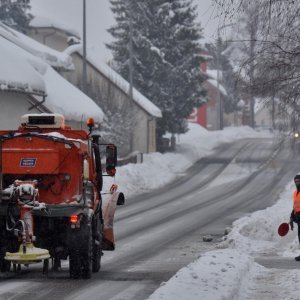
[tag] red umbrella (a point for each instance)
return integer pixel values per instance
(283, 229)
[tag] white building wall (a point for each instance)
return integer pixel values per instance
(211, 115)
(12, 106)
(53, 38)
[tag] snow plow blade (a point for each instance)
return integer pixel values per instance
(114, 199)
(32, 255)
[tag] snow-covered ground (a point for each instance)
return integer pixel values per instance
(229, 272)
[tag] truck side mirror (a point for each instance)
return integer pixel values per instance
(111, 160)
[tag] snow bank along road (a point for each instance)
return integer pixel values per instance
(160, 232)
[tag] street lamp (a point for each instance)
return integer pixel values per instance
(84, 70)
(130, 72)
(219, 100)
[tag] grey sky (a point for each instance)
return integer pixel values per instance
(99, 18)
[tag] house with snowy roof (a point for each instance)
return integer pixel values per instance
(29, 82)
(108, 88)
(207, 115)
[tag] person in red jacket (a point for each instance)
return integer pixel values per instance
(295, 215)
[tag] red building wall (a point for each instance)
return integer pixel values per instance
(199, 115)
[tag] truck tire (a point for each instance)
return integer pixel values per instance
(97, 253)
(97, 244)
(5, 265)
(7, 245)
(80, 255)
(87, 253)
(74, 264)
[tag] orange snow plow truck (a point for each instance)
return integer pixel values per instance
(51, 179)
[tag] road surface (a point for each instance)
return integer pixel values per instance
(160, 232)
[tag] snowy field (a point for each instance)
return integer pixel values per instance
(229, 272)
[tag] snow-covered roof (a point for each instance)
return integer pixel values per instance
(64, 98)
(74, 48)
(16, 71)
(214, 83)
(44, 22)
(23, 72)
(54, 58)
(206, 56)
(117, 79)
(214, 74)
(241, 104)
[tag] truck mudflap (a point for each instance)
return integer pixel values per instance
(114, 199)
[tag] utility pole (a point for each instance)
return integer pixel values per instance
(219, 100)
(84, 69)
(273, 111)
(130, 74)
(251, 76)
(253, 35)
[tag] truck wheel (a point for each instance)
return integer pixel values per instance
(4, 264)
(97, 253)
(80, 256)
(86, 252)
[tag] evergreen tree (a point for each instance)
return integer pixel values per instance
(166, 55)
(14, 13)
